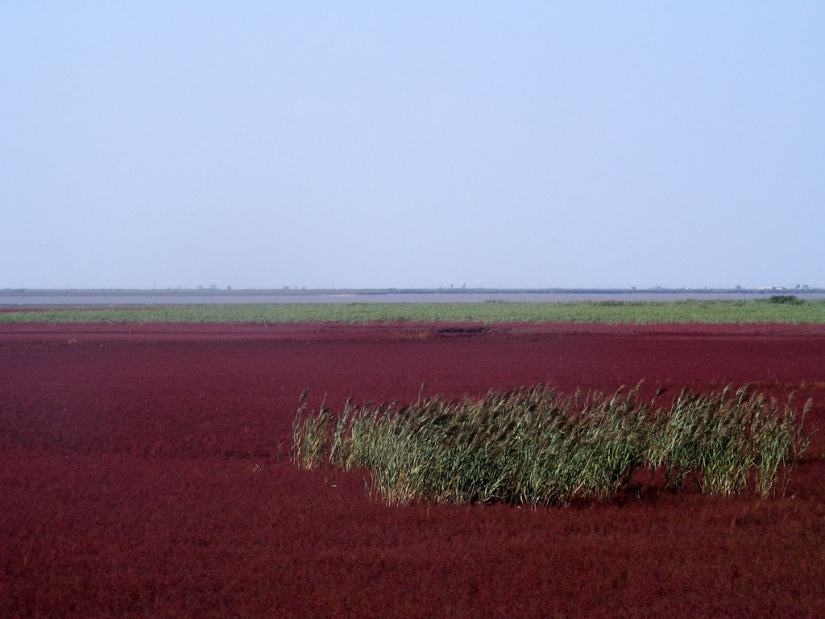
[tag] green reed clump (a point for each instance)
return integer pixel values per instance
(722, 441)
(535, 447)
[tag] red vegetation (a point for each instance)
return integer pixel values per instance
(144, 472)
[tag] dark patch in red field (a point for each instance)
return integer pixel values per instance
(144, 471)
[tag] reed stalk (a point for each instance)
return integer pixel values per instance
(533, 446)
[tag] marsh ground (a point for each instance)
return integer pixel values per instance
(144, 471)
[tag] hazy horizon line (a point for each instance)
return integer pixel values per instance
(418, 290)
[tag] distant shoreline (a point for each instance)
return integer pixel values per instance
(368, 291)
(137, 297)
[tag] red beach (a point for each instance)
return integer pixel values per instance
(145, 471)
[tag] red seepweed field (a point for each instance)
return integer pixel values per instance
(145, 471)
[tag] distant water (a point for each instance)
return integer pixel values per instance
(190, 297)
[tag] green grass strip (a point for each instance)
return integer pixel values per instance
(610, 312)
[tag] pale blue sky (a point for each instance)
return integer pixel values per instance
(347, 144)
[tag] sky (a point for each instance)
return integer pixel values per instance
(407, 144)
